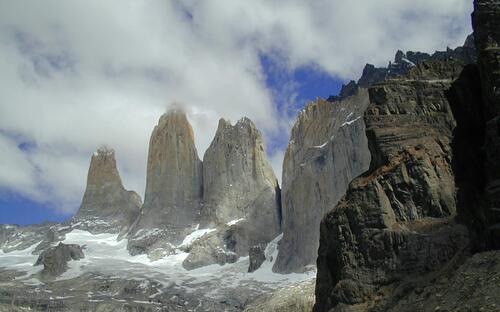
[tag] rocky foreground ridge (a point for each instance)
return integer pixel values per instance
(426, 203)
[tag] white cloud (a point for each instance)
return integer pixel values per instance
(77, 74)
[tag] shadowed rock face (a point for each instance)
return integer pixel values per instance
(398, 218)
(105, 197)
(55, 260)
(174, 176)
(239, 183)
(486, 23)
(328, 148)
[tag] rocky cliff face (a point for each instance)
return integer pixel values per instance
(328, 148)
(106, 203)
(241, 196)
(174, 175)
(300, 249)
(396, 219)
(486, 22)
(239, 183)
(173, 194)
(403, 223)
(404, 62)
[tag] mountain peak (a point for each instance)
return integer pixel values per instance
(105, 197)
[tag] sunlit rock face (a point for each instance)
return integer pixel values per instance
(241, 196)
(327, 149)
(239, 183)
(174, 174)
(106, 201)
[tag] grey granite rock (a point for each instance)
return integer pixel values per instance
(327, 149)
(239, 184)
(55, 260)
(209, 249)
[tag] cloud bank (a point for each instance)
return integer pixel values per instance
(78, 74)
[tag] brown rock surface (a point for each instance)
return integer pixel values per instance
(105, 198)
(397, 220)
(173, 186)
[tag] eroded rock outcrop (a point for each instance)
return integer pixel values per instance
(398, 219)
(210, 249)
(106, 203)
(173, 186)
(55, 260)
(328, 148)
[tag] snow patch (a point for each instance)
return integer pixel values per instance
(349, 122)
(265, 272)
(233, 222)
(21, 260)
(322, 145)
(191, 238)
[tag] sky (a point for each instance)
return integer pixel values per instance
(78, 74)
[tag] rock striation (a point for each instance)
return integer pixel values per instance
(428, 200)
(106, 203)
(396, 219)
(55, 260)
(327, 149)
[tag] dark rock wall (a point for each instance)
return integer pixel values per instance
(486, 23)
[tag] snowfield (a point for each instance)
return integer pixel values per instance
(106, 255)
